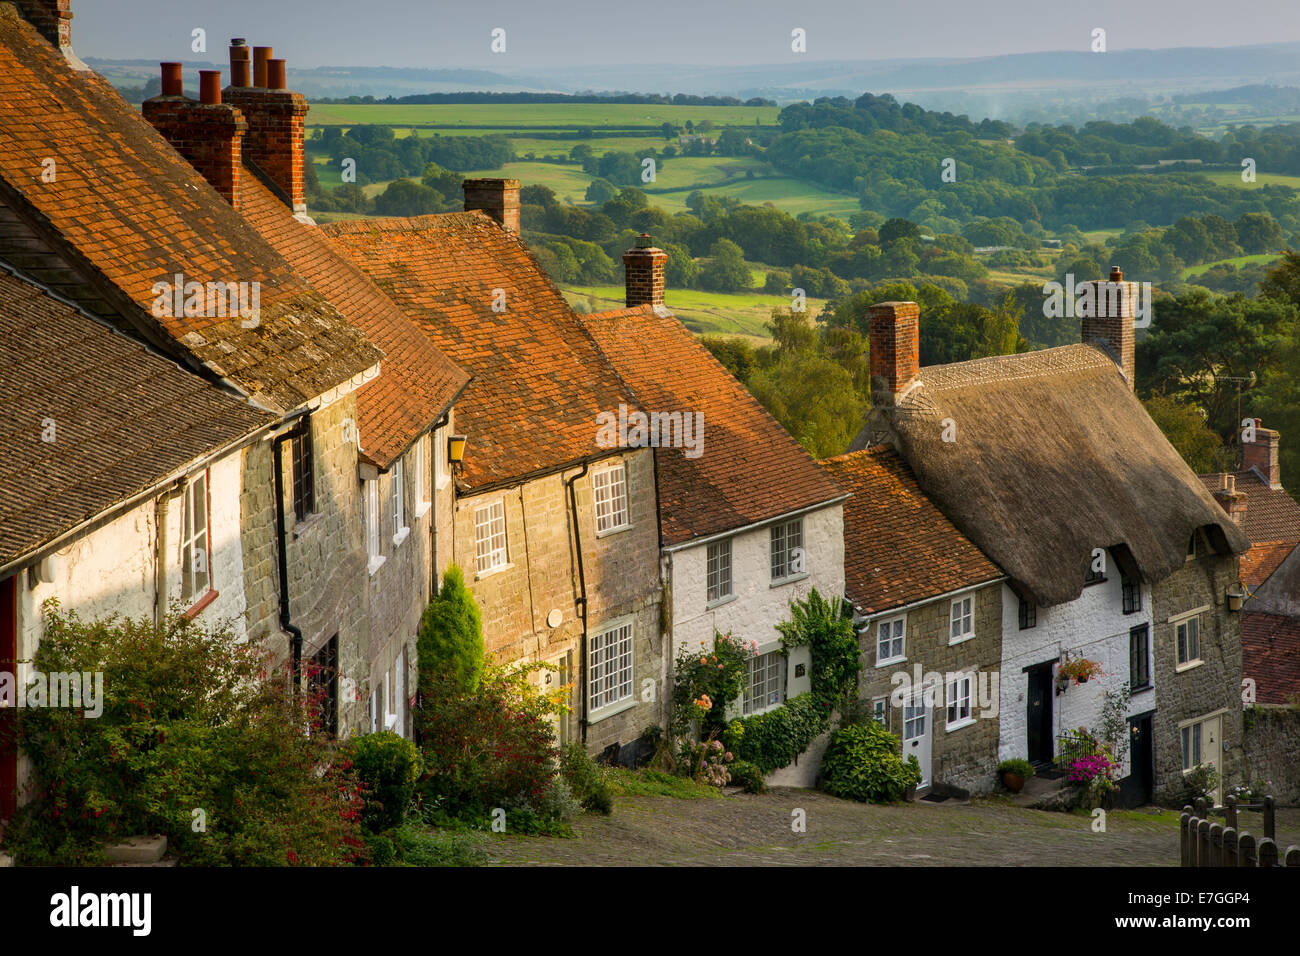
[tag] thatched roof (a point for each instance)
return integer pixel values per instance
(1054, 456)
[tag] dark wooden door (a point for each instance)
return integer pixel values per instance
(1038, 714)
(8, 664)
(1136, 789)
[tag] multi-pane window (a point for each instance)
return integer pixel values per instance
(914, 719)
(195, 557)
(1139, 657)
(889, 640)
(880, 711)
(787, 549)
(959, 699)
(719, 571)
(1189, 640)
(1028, 615)
(610, 666)
(766, 685)
(370, 515)
(490, 536)
(1093, 576)
(1191, 747)
(323, 686)
(611, 498)
(399, 497)
(304, 475)
(962, 624)
(1131, 591)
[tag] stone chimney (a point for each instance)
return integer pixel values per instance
(1260, 456)
(644, 268)
(894, 334)
(275, 144)
(53, 18)
(208, 133)
(1231, 500)
(499, 198)
(1109, 322)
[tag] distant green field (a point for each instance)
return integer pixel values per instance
(1238, 261)
(1226, 177)
(523, 116)
(710, 313)
(791, 195)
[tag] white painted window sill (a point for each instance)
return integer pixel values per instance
(1190, 665)
(442, 482)
(762, 710)
(953, 642)
(965, 722)
(611, 710)
(609, 531)
(422, 509)
(401, 536)
(779, 582)
(480, 575)
(718, 602)
(376, 562)
(890, 661)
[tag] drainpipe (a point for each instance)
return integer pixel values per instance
(582, 599)
(282, 550)
(431, 467)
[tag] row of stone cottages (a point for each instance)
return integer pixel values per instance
(294, 463)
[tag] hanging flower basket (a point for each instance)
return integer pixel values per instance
(1080, 670)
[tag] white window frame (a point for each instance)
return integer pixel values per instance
(196, 544)
(422, 503)
(721, 596)
(617, 677)
(962, 614)
(441, 472)
(609, 488)
(900, 637)
(498, 554)
(960, 691)
(1183, 623)
(370, 522)
(400, 528)
(772, 679)
(880, 709)
(1190, 738)
(786, 531)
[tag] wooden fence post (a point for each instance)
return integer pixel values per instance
(1230, 811)
(1268, 819)
(1246, 850)
(1292, 855)
(1229, 846)
(1267, 852)
(1216, 844)
(1185, 850)
(1203, 843)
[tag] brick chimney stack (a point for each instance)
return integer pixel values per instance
(275, 144)
(894, 334)
(53, 18)
(1231, 500)
(1110, 324)
(1260, 455)
(644, 268)
(499, 198)
(208, 133)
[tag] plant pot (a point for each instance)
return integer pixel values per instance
(1081, 679)
(910, 793)
(1013, 781)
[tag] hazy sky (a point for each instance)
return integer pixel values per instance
(541, 33)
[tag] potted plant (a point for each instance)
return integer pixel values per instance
(1079, 669)
(1014, 773)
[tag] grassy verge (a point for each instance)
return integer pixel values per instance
(655, 783)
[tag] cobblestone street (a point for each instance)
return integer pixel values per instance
(746, 830)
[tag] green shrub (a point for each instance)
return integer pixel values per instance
(450, 644)
(1196, 784)
(826, 626)
(187, 723)
(421, 846)
(382, 851)
(558, 801)
(771, 740)
(1017, 765)
(745, 774)
(586, 779)
(862, 763)
(388, 766)
(705, 682)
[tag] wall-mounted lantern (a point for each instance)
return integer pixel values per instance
(456, 451)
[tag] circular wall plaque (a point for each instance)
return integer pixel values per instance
(555, 617)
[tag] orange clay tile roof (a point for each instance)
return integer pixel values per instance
(126, 211)
(1271, 513)
(417, 382)
(538, 379)
(122, 418)
(748, 468)
(899, 548)
(1259, 563)
(1270, 654)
